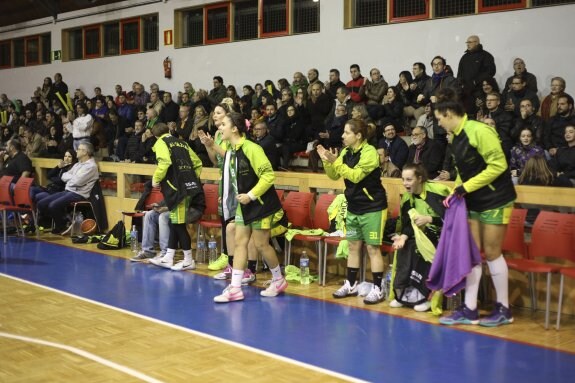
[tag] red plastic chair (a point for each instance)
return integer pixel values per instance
(154, 197)
(569, 272)
(297, 206)
(6, 203)
(551, 237)
(211, 194)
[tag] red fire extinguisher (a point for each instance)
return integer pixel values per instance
(167, 68)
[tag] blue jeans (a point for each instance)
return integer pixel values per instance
(55, 206)
(154, 222)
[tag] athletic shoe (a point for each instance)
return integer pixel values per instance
(275, 287)
(162, 262)
(248, 277)
(226, 274)
(374, 296)
(422, 307)
(142, 256)
(395, 304)
(346, 290)
(230, 294)
(219, 263)
(181, 266)
(462, 315)
(500, 315)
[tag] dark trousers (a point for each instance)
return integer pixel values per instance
(55, 206)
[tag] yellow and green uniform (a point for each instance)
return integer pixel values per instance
(481, 167)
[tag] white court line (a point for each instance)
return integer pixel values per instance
(198, 333)
(85, 354)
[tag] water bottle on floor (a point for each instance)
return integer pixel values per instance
(304, 268)
(212, 249)
(201, 249)
(386, 288)
(453, 302)
(134, 239)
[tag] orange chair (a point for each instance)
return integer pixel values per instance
(568, 272)
(297, 206)
(551, 237)
(211, 194)
(320, 221)
(154, 197)
(6, 203)
(22, 199)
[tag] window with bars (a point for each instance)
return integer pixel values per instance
(192, 27)
(246, 20)
(5, 54)
(111, 39)
(274, 17)
(305, 17)
(150, 32)
(370, 12)
(217, 23)
(446, 8)
(500, 5)
(130, 32)
(542, 3)
(92, 42)
(405, 10)
(32, 47)
(75, 45)
(45, 48)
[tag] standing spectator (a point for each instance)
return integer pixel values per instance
(475, 65)
(125, 110)
(140, 96)
(440, 79)
(59, 89)
(373, 92)
(294, 140)
(355, 84)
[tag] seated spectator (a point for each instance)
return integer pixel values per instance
(330, 138)
(488, 85)
(156, 104)
(359, 112)
(34, 142)
(372, 91)
(554, 136)
(56, 184)
(285, 102)
(256, 116)
(564, 161)
(132, 150)
(183, 126)
(528, 119)
(200, 122)
(409, 95)
(282, 84)
(218, 93)
(299, 82)
(14, 162)
(395, 147)
(151, 118)
(267, 142)
(80, 180)
(6, 135)
(51, 143)
(523, 151)
(98, 95)
(341, 98)
(503, 121)
(537, 173)
(186, 100)
(549, 104)
(333, 84)
(428, 121)
(393, 107)
(520, 70)
(271, 89)
(146, 153)
(355, 84)
(275, 124)
(294, 136)
(246, 101)
(425, 151)
(519, 91)
(156, 224)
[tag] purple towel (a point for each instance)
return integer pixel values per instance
(456, 252)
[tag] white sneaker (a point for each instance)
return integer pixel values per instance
(230, 294)
(181, 266)
(395, 304)
(162, 262)
(422, 307)
(374, 296)
(346, 290)
(275, 287)
(226, 274)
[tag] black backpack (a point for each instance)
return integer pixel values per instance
(114, 239)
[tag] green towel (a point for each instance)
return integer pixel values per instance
(293, 232)
(293, 274)
(342, 249)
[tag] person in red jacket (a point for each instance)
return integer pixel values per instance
(355, 84)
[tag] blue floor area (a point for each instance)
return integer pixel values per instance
(360, 343)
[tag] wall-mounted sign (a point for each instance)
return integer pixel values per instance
(168, 37)
(56, 55)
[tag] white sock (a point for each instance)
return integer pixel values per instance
(276, 273)
(169, 256)
(237, 276)
(187, 257)
(472, 287)
(500, 277)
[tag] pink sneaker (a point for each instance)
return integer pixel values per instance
(226, 274)
(275, 287)
(248, 277)
(230, 294)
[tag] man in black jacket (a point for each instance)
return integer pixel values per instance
(475, 65)
(530, 120)
(267, 142)
(425, 151)
(503, 121)
(554, 137)
(394, 146)
(170, 110)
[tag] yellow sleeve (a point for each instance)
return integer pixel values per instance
(262, 166)
(164, 160)
(368, 161)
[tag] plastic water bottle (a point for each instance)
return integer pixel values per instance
(77, 225)
(134, 239)
(386, 288)
(304, 268)
(201, 249)
(212, 249)
(453, 302)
